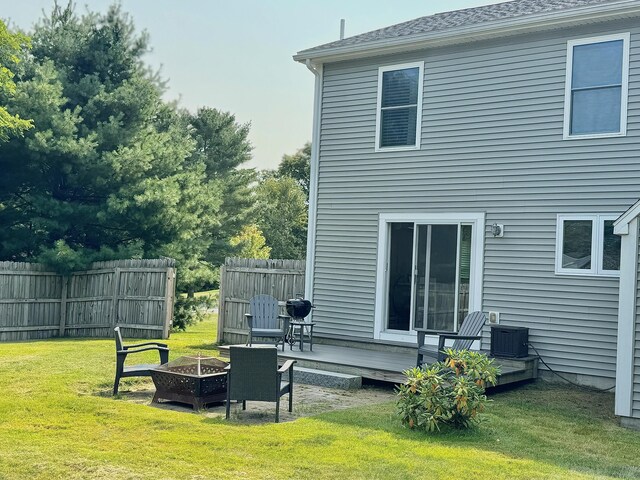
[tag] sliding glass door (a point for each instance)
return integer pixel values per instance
(428, 275)
(443, 261)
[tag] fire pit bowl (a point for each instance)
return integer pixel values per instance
(193, 380)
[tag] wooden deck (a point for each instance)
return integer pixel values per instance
(387, 366)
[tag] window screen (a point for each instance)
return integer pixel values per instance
(399, 107)
(596, 88)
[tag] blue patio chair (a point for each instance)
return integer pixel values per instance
(265, 321)
(469, 331)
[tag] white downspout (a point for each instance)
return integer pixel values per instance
(313, 182)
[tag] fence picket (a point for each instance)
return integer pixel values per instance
(242, 278)
(36, 303)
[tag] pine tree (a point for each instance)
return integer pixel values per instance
(108, 170)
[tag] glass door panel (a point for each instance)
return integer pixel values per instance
(465, 273)
(442, 266)
(441, 276)
(420, 274)
(399, 275)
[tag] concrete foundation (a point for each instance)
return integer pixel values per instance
(322, 378)
(602, 383)
(633, 423)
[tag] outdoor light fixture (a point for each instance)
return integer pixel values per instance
(497, 230)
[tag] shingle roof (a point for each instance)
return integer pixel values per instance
(459, 18)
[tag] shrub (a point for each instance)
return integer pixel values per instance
(189, 311)
(450, 393)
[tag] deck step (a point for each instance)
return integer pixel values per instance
(323, 378)
(386, 366)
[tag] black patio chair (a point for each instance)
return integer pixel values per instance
(265, 320)
(469, 331)
(253, 374)
(142, 370)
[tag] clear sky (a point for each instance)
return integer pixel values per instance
(235, 55)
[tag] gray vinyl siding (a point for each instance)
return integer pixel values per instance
(636, 356)
(492, 123)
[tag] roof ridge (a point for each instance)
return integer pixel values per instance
(455, 18)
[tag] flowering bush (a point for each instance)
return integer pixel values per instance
(451, 392)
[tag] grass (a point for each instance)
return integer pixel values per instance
(58, 420)
(206, 293)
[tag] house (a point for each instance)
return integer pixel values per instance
(478, 160)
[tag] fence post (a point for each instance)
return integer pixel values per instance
(241, 279)
(169, 301)
(221, 306)
(114, 298)
(63, 304)
(43, 304)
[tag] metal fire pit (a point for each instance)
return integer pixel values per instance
(193, 380)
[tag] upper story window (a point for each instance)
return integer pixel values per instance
(586, 245)
(399, 107)
(597, 87)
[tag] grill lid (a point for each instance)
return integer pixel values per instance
(298, 307)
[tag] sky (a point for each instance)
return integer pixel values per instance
(235, 55)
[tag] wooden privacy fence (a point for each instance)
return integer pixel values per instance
(242, 278)
(136, 294)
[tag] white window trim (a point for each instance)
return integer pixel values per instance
(625, 37)
(401, 66)
(597, 244)
(477, 219)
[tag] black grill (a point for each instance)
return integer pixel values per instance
(298, 307)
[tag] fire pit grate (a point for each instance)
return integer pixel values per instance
(193, 380)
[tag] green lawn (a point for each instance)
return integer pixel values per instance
(57, 420)
(206, 293)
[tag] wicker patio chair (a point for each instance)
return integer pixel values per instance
(469, 331)
(265, 321)
(254, 375)
(142, 370)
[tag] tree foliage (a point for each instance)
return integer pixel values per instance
(298, 167)
(222, 145)
(11, 45)
(281, 204)
(281, 214)
(251, 243)
(109, 170)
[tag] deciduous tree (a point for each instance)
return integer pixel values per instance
(281, 214)
(251, 243)
(298, 167)
(11, 45)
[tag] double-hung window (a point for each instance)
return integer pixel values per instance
(586, 245)
(597, 87)
(399, 111)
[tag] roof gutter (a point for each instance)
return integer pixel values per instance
(500, 28)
